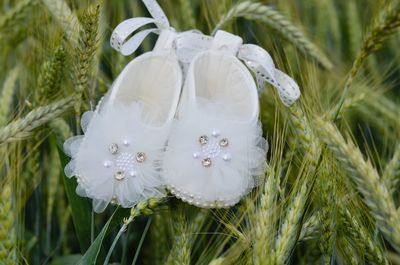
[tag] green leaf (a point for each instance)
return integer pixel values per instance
(80, 207)
(67, 260)
(91, 254)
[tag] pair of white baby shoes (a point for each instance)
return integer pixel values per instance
(184, 117)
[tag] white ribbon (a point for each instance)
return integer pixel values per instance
(119, 37)
(189, 43)
(261, 63)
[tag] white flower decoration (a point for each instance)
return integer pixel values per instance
(213, 160)
(118, 158)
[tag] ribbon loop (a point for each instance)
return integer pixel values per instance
(189, 43)
(261, 63)
(157, 13)
(120, 40)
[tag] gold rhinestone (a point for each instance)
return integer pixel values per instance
(120, 175)
(113, 148)
(224, 142)
(140, 157)
(203, 140)
(206, 162)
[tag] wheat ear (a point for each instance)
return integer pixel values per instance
(20, 11)
(8, 240)
(49, 80)
(375, 193)
(68, 20)
(180, 252)
(362, 238)
(310, 227)
(278, 22)
(264, 229)
(391, 174)
(23, 127)
(7, 95)
(385, 25)
(85, 55)
(290, 228)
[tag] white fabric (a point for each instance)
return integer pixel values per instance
(136, 115)
(190, 43)
(224, 183)
(127, 127)
(219, 101)
(260, 62)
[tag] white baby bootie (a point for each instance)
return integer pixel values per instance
(216, 153)
(118, 160)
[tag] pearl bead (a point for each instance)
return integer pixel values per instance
(215, 133)
(126, 143)
(132, 173)
(107, 164)
(196, 155)
(227, 157)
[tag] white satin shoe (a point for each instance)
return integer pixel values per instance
(216, 152)
(118, 160)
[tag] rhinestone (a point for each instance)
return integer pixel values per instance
(227, 157)
(140, 157)
(113, 148)
(126, 142)
(224, 142)
(215, 133)
(196, 155)
(120, 175)
(203, 140)
(206, 162)
(107, 164)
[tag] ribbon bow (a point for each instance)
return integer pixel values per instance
(119, 38)
(189, 43)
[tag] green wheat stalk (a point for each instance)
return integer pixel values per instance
(310, 228)
(264, 229)
(49, 80)
(305, 135)
(362, 237)
(8, 240)
(85, 56)
(15, 15)
(159, 238)
(23, 127)
(61, 129)
(67, 19)
(145, 207)
(187, 14)
(290, 228)
(7, 93)
(391, 173)
(53, 180)
(384, 26)
(180, 252)
(375, 193)
(328, 215)
(278, 22)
